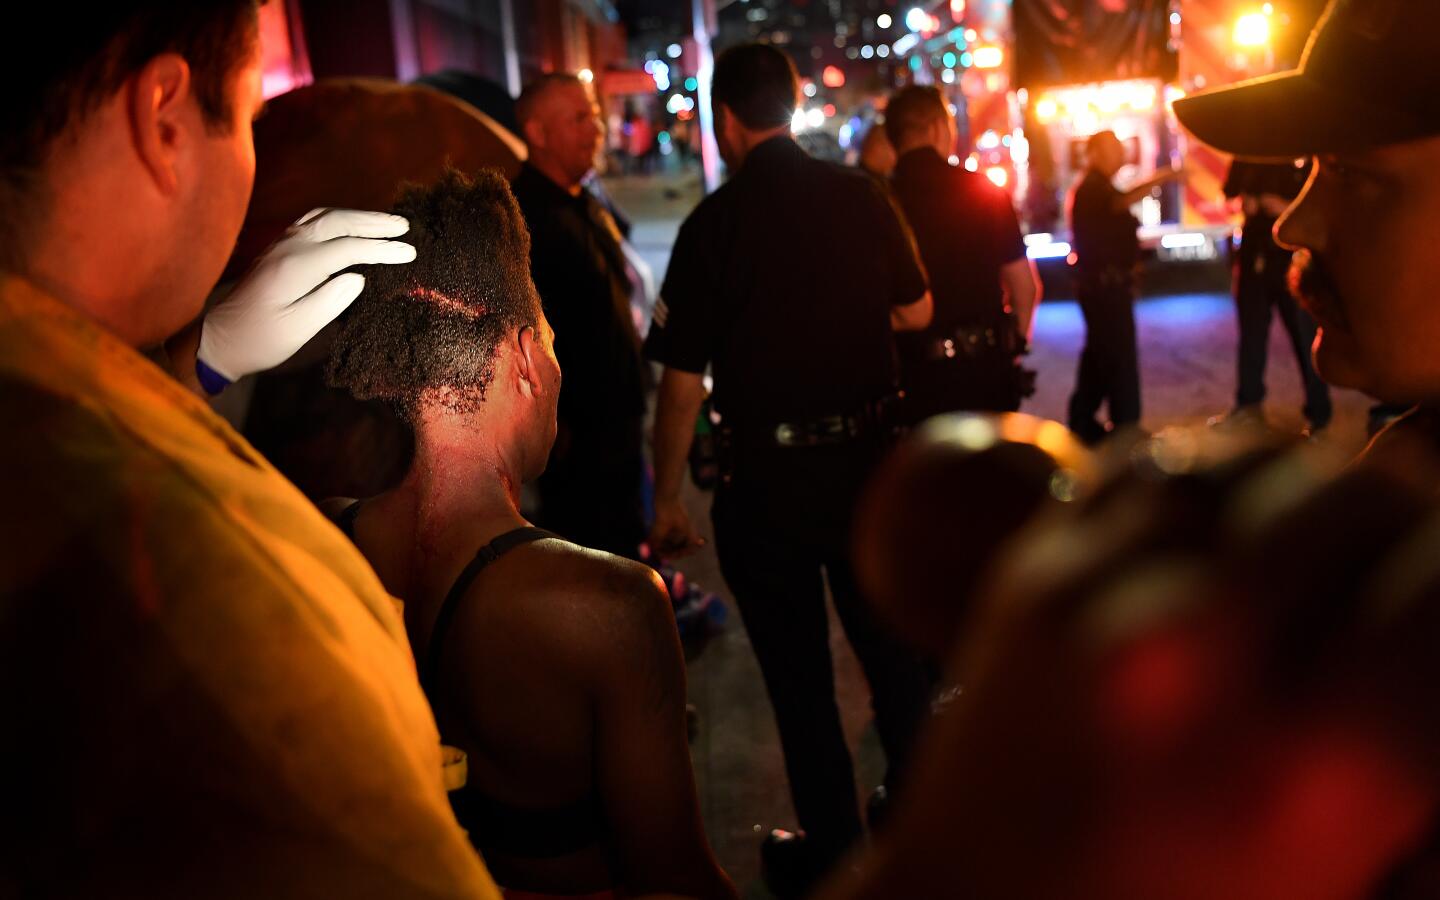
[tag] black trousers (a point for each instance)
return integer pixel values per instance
(932, 387)
(780, 523)
(592, 492)
(1260, 288)
(1110, 363)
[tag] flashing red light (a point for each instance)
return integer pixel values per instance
(829, 109)
(832, 77)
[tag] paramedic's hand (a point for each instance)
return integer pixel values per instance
(672, 535)
(290, 294)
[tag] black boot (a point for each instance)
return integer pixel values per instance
(791, 865)
(877, 807)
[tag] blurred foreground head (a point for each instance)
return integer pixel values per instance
(936, 514)
(1213, 678)
(458, 336)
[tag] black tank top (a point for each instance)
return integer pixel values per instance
(491, 824)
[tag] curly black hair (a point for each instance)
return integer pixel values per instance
(437, 322)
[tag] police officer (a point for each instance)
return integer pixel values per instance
(984, 285)
(786, 283)
(591, 491)
(1261, 267)
(1107, 252)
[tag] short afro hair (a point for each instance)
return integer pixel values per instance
(437, 322)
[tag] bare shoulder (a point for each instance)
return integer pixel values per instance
(600, 606)
(572, 572)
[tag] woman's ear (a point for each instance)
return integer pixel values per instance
(525, 357)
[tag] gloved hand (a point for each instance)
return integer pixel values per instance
(289, 294)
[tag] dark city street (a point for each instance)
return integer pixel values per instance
(720, 450)
(1188, 356)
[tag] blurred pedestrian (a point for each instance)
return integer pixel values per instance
(1261, 288)
(591, 492)
(984, 285)
(786, 283)
(210, 693)
(639, 140)
(1107, 254)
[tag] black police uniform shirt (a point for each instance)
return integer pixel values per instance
(967, 231)
(1104, 237)
(783, 281)
(580, 273)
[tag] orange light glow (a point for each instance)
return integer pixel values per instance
(988, 57)
(1252, 30)
(832, 77)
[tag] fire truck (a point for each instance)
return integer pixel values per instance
(1031, 80)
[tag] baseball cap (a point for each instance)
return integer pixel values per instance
(1370, 76)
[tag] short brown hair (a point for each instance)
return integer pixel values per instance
(84, 57)
(911, 110)
(528, 103)
(758, 84)
(437, 322)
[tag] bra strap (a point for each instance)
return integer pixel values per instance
(430, 669)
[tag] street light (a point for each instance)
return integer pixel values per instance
(917, 19)
(883, 20)
(988, 57)
(1252, 30)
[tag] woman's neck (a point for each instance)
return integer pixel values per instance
(460, 492)
(457, 477)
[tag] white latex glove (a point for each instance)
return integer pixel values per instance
(289, 294)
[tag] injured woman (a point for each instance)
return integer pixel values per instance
(557, 669)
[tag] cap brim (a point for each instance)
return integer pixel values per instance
(1287, 116)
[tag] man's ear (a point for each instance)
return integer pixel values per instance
(161, 116)
(945, 137)
(534, 132)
